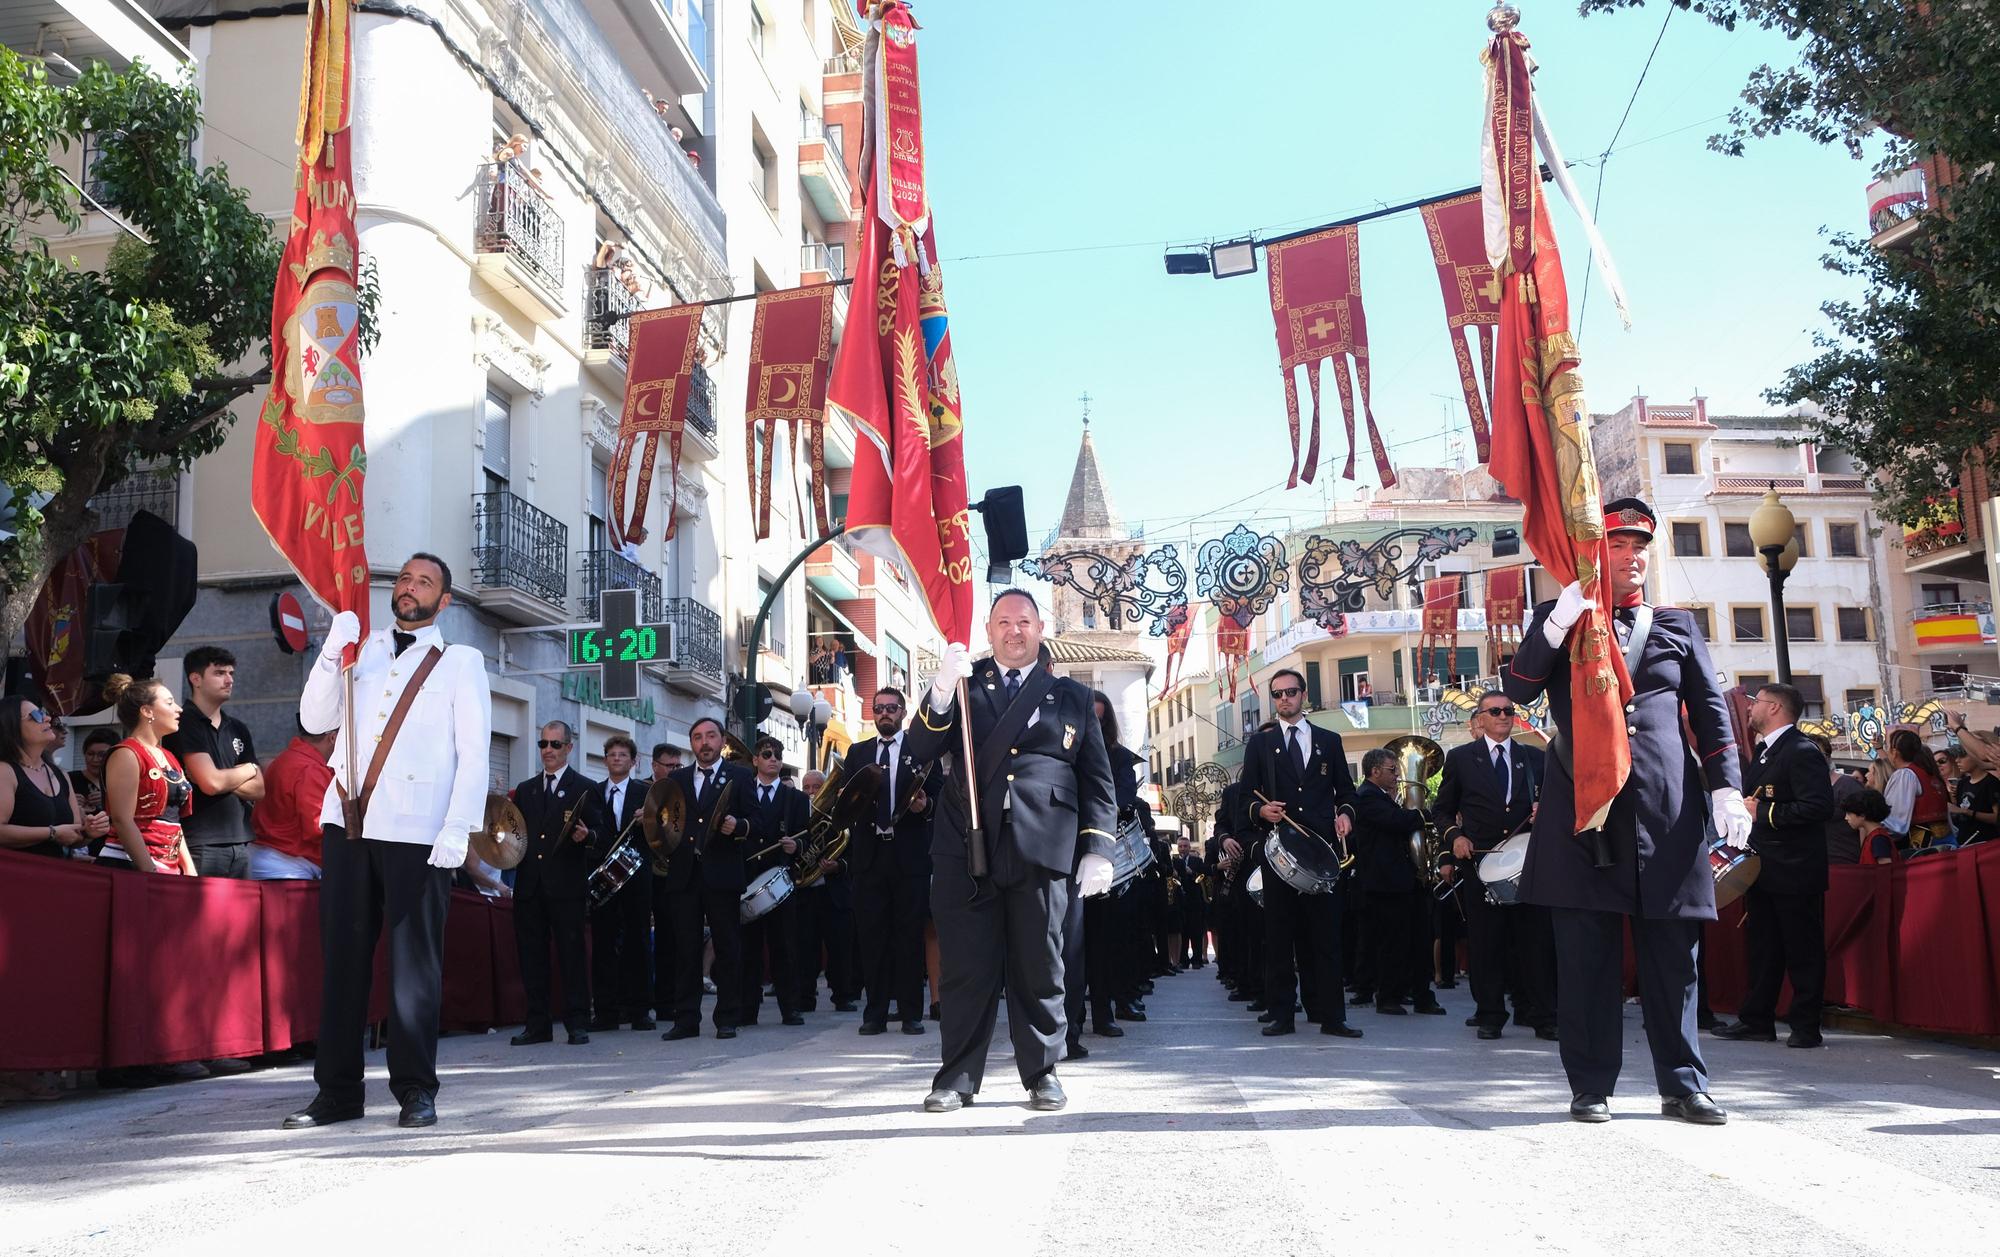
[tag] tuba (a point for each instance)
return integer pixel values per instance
(1418, 759)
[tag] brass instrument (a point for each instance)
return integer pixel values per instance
(842, 803)
(1418, 759)
(503, 842)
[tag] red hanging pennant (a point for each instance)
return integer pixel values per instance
(657, 383)
(1232, 647)
(791, 346)
(1506, 606)
(1471, 300)
(1316, 302)
(1440, 633)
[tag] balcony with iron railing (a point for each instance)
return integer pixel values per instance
(519, 557)
(701, 406)
(148, 489)
(820, 262)
(1895, 205)
(606, 302)
(519, 240)
(823, 168)
(599, 570)
(697, 663)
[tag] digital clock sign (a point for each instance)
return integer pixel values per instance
(619, 645)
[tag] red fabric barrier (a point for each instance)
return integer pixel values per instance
(102, 969)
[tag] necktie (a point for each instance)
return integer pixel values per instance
(1760, 749)
(1298, 754)
(616, 790)
(403, 640)
(1013, 683)
(1500, 770)
(707, 779)
(764, 795)
(548, 783)
(885, 798)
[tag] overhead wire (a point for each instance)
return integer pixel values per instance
(1603, 168)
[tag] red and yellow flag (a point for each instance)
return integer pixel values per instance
(310, 457)
(894, 378)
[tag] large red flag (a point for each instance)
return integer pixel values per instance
(658, 379)
(1541, 429)
(310, 455)
(1316, 301)
(790, 341)
(894, 378)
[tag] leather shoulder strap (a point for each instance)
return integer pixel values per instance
(404, 702)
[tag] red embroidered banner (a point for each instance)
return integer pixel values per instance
(55, 629)
(1440, 635)
(1542, 456)
(791, 346)
(1316, 302)
(1232, 648)
(1506, 605)
(658, 379)
(1180, 627)
(309, 456)
(1471, 300)
(895, 378)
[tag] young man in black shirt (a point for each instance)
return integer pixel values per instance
(1975, 801)
(215, 751)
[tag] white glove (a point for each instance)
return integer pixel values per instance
(1732, 819)
(1093, 876)
(953, 666)
(1569, 608)
(342, 633)
(448, 852)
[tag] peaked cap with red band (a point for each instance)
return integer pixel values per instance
(1628, 515)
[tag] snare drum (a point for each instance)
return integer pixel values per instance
(1131, 854)
(608, 878)
(766, 891)
(1500, 870)
(1307, 865)
(1254, 886)
(1734, 871)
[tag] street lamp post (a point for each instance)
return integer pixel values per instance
(815, 713)
(1774, 531)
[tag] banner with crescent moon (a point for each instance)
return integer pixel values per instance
(791, 345)
(657, 384)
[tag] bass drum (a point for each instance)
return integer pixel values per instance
(1500, 869)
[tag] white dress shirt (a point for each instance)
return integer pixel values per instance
(1304, 754)
(435, 776)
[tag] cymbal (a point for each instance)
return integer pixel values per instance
(662, 817)
(503, 842)
(857, 797)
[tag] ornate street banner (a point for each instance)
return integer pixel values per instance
(1145, 585)
(657, 383)
(1440, 636)
(1506, 608)
(895, 378)
(1242, 573)
(55, 629)
(309, 458)
(1316, 302)
(1471, 300)
(1232, 649)
(791, 345)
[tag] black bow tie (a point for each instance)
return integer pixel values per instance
(403, 640)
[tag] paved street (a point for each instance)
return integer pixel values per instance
(1189, 1135)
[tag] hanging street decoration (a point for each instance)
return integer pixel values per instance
(1242, 573)
(1336, 576)
(1316, 301)
(1179, 623)
(1438, 646)
(1232, 648)
(1144, 586)
(1471, 299)
(659, 378)
(791, 342)
(1506, 607)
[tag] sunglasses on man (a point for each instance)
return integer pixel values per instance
(770, 754)
(1287, 692)
(547, 745)
(1505, 713)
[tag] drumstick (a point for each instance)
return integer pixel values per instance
(774, 846)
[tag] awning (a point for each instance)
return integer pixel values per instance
(861, 639)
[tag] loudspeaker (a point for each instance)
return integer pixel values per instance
(1006, 530)
(1506, 543)
(130, 619)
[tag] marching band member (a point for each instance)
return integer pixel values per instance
(1488, 792)
(566, 823)
(705, 883)
(777, 813)
(620, 959)
(1302, 770)
(1092, 942)
(1398, 905)
(1659, 879)
(1047, 811)
(890, 856)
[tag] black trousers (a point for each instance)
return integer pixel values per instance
(1090, 962)
(990, 936)
(1786, 935)
(1400, 933)
(1447, 927)
(1357, 940)
(770, 944)
(538, 917)
(1256, 941)
(1510, 949)
(1590, 999)
(664, 970)
(225, 859)
(719, 909)
(621, 947)
(889, 907)
(823, 934)
(1308, 927)
(366, 884)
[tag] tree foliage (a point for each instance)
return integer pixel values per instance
(1908, 375)
(136, 361)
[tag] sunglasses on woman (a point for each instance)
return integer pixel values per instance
(37, 715)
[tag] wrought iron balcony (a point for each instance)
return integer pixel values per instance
(148, 489)
(515, 546)
(605, 294)
(517, 219)
(701, 403)
(599, 570)
(698, 638)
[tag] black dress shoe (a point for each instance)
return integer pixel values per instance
(874, 1027)
(1277, 1028)
(1131, 1014)
(1432, 1009)
(913, 1027)
(1241, 997)
(1801, 1039)
(1075, 1051)
(843, 1005)
(577, 1038)
(1391, 1010)
(1340, 1030)
(418, 1110)
(1472, 1021)
(1489, 1032)
(1449, 984)
(682, 1032)
(644, 1023)
(1267, 1017)
(602, 1024)
(945, 1100)
(1588, 1107)
(1549, 1033)
(321, 1112)
(793, 1019)
(1696, 1108)
(725, 1032)
(1258, 1006)
(528, 1038)
(1706, 1021)
(937, 1014)
(1741, 1031)
(1360, 1000)
(1108, 1030)
(1046, 1096)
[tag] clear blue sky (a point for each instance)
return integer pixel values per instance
(1110, 129)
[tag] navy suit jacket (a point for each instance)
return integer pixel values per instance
(1790, 797)
(554, 865)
